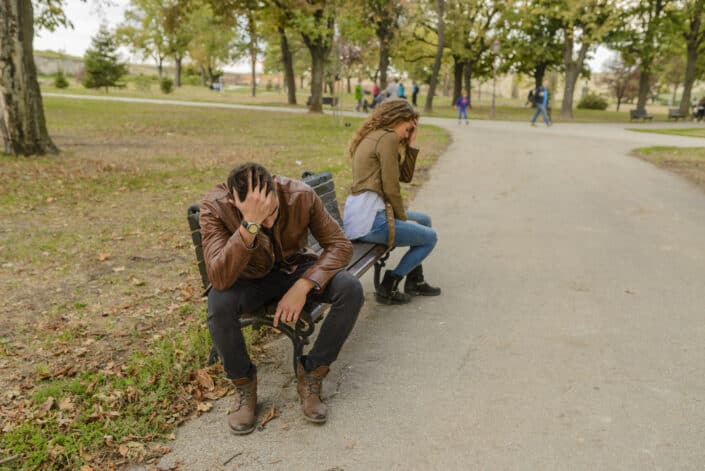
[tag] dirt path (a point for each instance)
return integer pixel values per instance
(569, 334)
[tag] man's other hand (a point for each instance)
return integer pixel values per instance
(291, 304)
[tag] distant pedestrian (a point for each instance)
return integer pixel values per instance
(358, 96)
(400, 91)
(463, 103)
(391, 90)
(414, 93)
(541, 99)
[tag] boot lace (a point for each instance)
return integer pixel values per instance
(313, 385)
(245, 395)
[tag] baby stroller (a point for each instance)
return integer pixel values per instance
(698, 112)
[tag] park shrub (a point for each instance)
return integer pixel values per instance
(143, 82)
(194, 80)
(60, 80)
(166, 85)
(592, 101)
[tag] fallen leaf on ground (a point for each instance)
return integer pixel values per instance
(205, 380)
(103, 256)
(271, 415)
(204, 406)
(66, 404)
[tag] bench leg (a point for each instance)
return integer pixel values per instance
(379, 264)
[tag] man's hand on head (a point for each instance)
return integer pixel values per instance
(258, 204)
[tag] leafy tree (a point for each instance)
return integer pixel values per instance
(439, 19)
(384, 16)
(583, 24)
(643, 40)
(471, 29)
(211, 40)
(314, 20)
(101, 62)
(533, 42)
(143, 31)
(622, 79)
(692, 19)
(22, 124)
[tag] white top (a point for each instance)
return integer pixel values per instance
(359, 214)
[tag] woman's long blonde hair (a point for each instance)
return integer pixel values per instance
(386, 115)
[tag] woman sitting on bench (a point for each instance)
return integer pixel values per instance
(383, 155)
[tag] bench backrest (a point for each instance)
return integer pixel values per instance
(323, 185)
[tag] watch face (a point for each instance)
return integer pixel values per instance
(253, 228)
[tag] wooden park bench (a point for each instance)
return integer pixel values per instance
(642, 115)
(325, 100)
(365, 255)
(675, 114)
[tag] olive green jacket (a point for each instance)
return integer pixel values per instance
(378, 166)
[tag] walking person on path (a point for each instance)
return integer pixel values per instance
(541, 99)
(383, 154)
(463, 103)
(254, 230)
(358, 96)
(401, 93)
(414, 93)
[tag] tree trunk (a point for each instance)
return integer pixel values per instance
(619, 102)
(572, 70)
(428, 107)
(675, 92)
(203, 76)
(467, 75)
(252, 33)
(349, 88)
(302, 81)
(22, 124)
(383, 62)
(211, 78)
(689, 79)
(457, 79)
(253, 59)
(160, 68)
(288, 61)
(318, 61)
(539, 73)
(644, 87)
(177, 70)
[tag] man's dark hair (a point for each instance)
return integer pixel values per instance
(237, 180)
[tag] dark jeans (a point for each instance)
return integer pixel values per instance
(344, 293)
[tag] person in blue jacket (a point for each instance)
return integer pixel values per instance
(541, 100)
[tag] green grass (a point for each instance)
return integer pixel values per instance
(689, 132)
(688, 162)
(121, 186)
(507, 109)
(128, 403)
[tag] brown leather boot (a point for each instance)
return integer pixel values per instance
(309, 389)
(242, 413)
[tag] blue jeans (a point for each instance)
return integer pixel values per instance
(542, 110)
(421, 238)
(462, 113)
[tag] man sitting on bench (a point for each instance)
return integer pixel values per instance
(254, 229)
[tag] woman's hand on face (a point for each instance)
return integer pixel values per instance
(414, 130)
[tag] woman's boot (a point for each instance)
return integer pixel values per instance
(388, 291)
(416, 286)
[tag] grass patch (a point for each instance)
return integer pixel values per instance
(507, 109)
(688, 132)
(688, 162)
(102, 360)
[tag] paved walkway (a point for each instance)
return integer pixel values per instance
(570, 334)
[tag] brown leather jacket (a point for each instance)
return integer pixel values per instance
(227, 257)
(377, 166)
